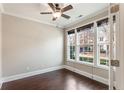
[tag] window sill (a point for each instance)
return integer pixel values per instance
(80, 62)
(89, 64)
(69, 60)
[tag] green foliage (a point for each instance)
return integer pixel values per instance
(72, 52)
(86, 59)
(103, 61)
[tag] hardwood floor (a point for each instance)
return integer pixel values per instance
(56, 80)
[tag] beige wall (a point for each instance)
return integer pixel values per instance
(89, 69)
(29, 46)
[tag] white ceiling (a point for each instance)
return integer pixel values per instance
(32, 11)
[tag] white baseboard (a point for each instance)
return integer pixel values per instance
(97, 78)
(1, 82)
(24, 75)
(115, 85)
(78, 71)
(101, 79)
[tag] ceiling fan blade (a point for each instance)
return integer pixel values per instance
(54, 18)
(69, 7)
(65, 16)
(52, 6)
(45, 12)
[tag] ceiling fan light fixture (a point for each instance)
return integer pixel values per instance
(58, 10)
(57, 14)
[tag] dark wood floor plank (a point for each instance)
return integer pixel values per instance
(56, 80)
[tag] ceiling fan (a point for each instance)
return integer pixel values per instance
(57, 11)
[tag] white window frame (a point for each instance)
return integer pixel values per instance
(68, 51)
(78, 47)
(96, 54)
(98, 50)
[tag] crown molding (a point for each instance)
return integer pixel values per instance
(32, 19)
(28, 18)
(51, 24)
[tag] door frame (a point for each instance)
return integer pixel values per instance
(118, 75)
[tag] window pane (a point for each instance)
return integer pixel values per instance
(91, 36)
(104, 54)
(86, 53)
(103, 34)
(71, 52)
(85, 37)
(103, 43)
(71, 39)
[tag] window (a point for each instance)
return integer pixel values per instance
(71, 45)
(88, 40)
(103, 42)
(85, 43)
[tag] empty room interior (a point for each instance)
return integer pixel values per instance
(61, 46)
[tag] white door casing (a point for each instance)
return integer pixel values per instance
(116, 74)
